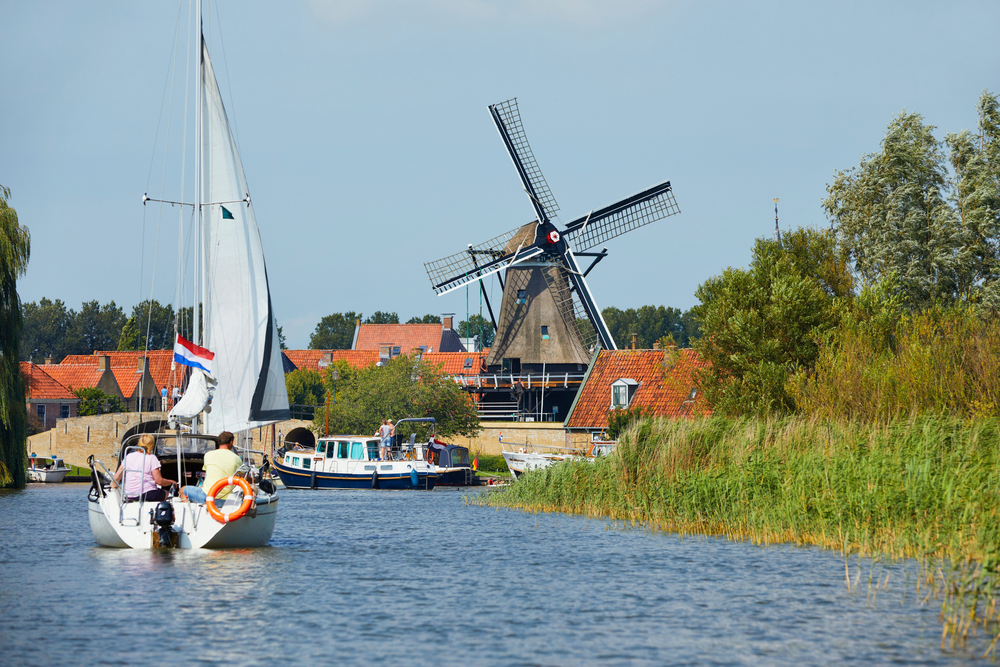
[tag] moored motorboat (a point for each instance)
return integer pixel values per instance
(350, 462)
(46, 469)
(522, 461)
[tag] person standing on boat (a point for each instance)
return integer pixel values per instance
(221, 463)
(386, 431)
(142, 473)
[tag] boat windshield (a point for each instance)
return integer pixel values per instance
(184, 444)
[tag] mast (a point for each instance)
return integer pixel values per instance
(198, 227)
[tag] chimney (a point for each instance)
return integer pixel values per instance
(325, 360)
(447, 320)
(656, 345)
(634, 336)
(48, 361)
(142, 365)
(104, 362)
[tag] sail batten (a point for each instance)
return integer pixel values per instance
(240, 327)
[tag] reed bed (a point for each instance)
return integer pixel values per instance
(924, 488)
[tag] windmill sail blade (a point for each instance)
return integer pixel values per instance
(584, 301)
(479, 261)
(640, 209)
(508, 122)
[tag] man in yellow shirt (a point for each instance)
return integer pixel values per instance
(221, 463)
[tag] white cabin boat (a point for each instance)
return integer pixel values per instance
(46, 469)
(351, 462)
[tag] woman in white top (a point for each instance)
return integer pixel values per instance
(143, 479)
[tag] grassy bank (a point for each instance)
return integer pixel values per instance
(923, 488)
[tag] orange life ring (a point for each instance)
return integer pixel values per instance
(227, 517)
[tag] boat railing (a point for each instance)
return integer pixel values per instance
(107, 474)
(121, 489)
(508, 446)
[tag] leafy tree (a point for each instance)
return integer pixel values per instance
(281, 338)
(95, 327)
(426, 319)
(334, 332)
(185, 323)
(155, 325)
(401, 388)
(761, 324)
(382, 318)
(93, 401)
(649, 323)
(15, 249)
(46, 325)
(975, 160)
(902, 211)
(305, 387)
(478, 326)
(129, 338)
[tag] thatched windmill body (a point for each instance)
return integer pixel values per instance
(547, 313)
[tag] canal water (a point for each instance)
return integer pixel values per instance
(420, 578)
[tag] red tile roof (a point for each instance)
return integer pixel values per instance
(125, 364)
(309, 359)
(75, 376)
(665, 391)
(453, 363)
(40, 385)
(434, 337)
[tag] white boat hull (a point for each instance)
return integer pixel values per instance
(130, 527)
(48, 476)
(521, 462)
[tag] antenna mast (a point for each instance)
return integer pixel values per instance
(777, 232)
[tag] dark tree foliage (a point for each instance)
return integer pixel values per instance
(477, 326)
(378, 317)
(650, 324)
(95, 327)
(305, 387)
(154, 324)
(15, 249)
(46, 325)
(334, 332)
(426, 319)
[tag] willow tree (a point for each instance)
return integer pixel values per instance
(15, 248)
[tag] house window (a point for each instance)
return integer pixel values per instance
(619, 396)
(622, 391)
(545, 333)
(521, 296)
(395, 351)
(64, 411)
(468, 362)
(40, 410)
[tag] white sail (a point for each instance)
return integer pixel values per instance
(239, 323)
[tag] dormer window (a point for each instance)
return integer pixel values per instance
(622, 391)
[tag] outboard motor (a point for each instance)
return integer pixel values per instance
(162, 516)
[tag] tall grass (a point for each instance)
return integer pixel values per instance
(920, 487)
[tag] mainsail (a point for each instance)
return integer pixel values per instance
(239, 323)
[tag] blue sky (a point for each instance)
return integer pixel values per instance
(368, 147)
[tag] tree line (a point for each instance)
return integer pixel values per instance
(651, 324)
(892, 310)
(51, 330)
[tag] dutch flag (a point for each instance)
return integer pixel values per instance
(189, 354)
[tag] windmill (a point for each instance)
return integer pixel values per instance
(547, 313)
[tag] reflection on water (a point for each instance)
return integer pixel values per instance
(361, 577)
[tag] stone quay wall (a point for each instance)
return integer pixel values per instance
(76, 438)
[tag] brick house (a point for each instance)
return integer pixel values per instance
(660, 381)
(45, 397)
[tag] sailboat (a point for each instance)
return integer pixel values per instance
(246, 387)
